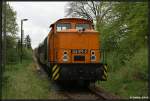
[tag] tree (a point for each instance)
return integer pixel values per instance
(130, 26)
(28, 42)
(128, 30)
(98, 11)
(10, 16)
(10, 30)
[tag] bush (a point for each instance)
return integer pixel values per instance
(27, 53)
(113, 59)
(12, 55)
(129, 79)
(138, 64)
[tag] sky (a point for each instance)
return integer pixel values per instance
(40, 15)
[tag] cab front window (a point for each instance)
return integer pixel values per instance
(82, 26)
(63, 26)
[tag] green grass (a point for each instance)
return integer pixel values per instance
(124, 86)
(130, 79)
(21, 81)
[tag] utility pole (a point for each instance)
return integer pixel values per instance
(4, 33)
(21, 42)
(2, 39)
(22, 39)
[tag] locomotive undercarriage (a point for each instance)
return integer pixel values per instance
(78, 71)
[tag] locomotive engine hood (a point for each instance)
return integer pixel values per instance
(78, 45)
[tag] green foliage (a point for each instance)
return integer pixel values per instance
(135, 16)
(126, 33)
(27, 53)
(139, 64)
(10, 15)
(12, 46)
(124, 39)
(11, 28)
(11, 50)
(21, 81)
(113, 61)
(130, 26)
(130, 79)
(28, 42)
(122, 86)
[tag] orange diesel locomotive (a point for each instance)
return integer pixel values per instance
(71, 51)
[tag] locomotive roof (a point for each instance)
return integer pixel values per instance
(71, 19)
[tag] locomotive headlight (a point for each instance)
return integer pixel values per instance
(65, 56)
(93, 56)
(92, 52)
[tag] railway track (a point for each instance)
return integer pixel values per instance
(82, 96)
(91, 92)
(102, 93)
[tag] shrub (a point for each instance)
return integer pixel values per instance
(138, 64)
(27, 53)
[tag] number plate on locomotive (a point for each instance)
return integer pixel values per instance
(79, 51)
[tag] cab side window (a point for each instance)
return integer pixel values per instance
(82, 26)
(62, 26)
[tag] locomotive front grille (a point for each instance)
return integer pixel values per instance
(79, 58)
